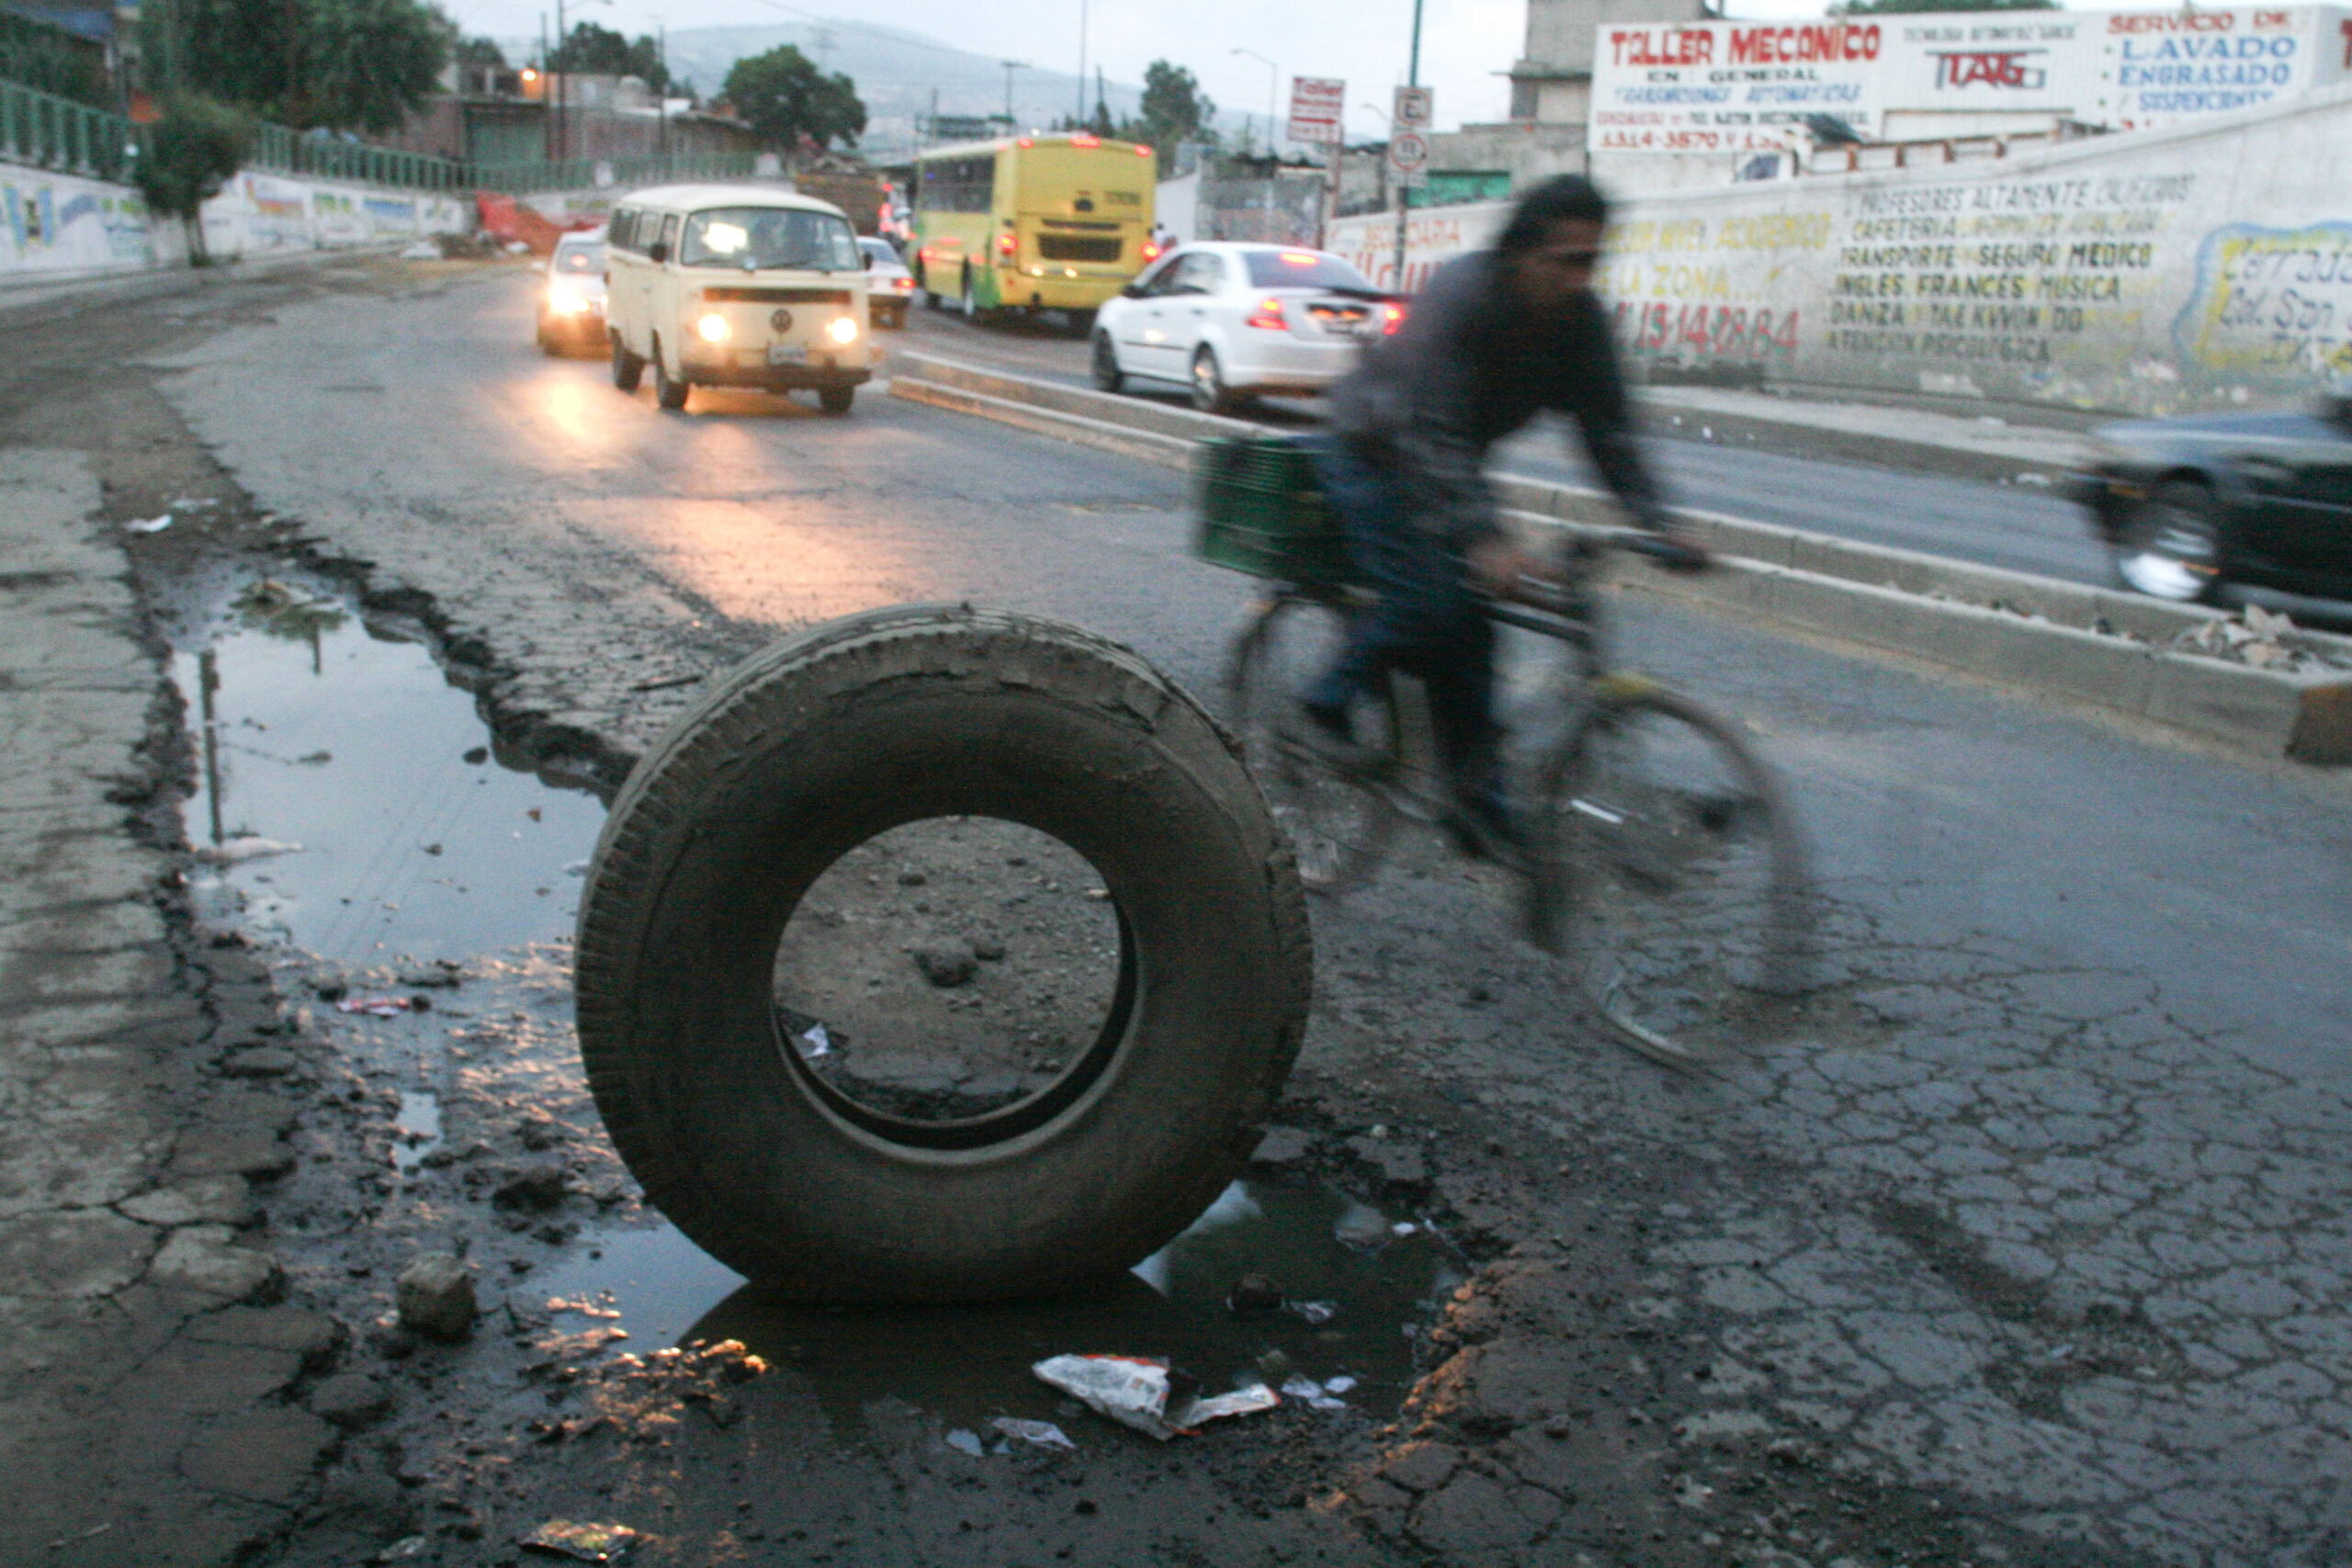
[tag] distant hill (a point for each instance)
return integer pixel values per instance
(899, 75)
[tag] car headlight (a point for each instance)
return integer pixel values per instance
(843, 330)
(566, 301)
(714, 328)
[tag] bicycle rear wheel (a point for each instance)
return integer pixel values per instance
(1671, 875)
(1339, 827)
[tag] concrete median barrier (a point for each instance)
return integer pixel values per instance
(2071, 641)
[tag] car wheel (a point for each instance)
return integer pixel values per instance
(836, 399)
(783, 1167)
(627, 369)
(2170, 546)
(546, 344)
(1210, 394)
(1108, 377)
(671, 395)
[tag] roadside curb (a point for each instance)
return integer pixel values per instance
(2034, 633)
(51, 302)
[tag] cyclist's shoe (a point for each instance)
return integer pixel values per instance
(1484, 827)
(1327, 735)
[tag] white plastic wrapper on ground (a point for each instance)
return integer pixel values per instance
(1133, 1391)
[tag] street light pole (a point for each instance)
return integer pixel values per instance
(1010, 67)
(1081, 121)
(1273, 77)
(1404, 191)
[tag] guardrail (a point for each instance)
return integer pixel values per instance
(50, 132)
(45, 131)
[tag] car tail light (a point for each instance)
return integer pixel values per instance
(1391, 318)
(1150, 251)
(903, 284)
(1269, 315)
(1005, 242)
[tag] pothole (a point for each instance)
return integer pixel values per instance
(349, 801)
(1356, 1285)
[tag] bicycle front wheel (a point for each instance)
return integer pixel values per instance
(1339, 826)
(1670, 875)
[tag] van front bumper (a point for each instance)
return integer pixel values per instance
(749, 371)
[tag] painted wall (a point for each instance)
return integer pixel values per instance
(62, 226)
(2194, 265)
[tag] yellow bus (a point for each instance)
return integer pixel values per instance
(1056, 222)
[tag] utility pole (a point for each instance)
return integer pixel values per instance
(1404, 191)
(1081, 121)
(1010, 67)
(661, 96)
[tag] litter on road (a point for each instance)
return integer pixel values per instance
(1134, 1391)
(581, 1542)
(150, 525)
(377, 1007)
(236, 851)
(1045, 1434)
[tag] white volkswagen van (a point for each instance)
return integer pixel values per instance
(736, 286)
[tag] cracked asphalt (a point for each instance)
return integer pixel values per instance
(2028, 1247)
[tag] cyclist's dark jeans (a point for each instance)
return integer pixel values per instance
(1427, 622)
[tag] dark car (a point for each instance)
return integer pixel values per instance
(2247, 500)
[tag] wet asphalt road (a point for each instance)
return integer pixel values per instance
(2040, 1228)
(2018, 528)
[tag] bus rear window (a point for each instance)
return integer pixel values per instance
(1301, 270)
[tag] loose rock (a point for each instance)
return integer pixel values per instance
(947, 963)
(538, 1187)
(436, 1297)
(350, 1400)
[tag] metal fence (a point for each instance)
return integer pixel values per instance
(45, 131)
(51, 132)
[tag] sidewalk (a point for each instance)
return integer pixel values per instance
(148, 1347)
(1854, 427)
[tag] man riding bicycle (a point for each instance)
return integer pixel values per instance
(1496, 337)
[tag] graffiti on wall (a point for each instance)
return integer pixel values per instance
(1701, 290)
(63, 224)
(2270, 305)
(2003, 272)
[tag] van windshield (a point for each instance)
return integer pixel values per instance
(749, 237)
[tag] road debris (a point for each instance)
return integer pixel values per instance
(1134, 1391)
(435, 1295)
(237, 850)
(965, 1442)
(1254, 1295)
(946, 962)
(1318, 1395)
(1045, 1434)
(149, 525)
(581, 1542)
(379, 1006)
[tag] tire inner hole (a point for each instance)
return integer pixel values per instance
(948, 968)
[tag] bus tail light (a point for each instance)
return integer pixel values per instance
(1151, 250)
(1143, 151)
(1269, 315)
(1005, 242)
(924, 252)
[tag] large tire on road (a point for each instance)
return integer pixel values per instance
(627, 369)
(818, 746)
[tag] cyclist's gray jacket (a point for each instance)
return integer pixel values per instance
(1469, 367)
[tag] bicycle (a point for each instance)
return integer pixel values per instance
(1663, 868)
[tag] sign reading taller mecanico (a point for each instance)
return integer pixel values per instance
(1741, 86)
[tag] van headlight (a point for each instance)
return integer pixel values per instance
(843, 330)
(714, 328)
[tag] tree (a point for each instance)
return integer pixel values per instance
(1173, 110)
(1900, 8)
(344, 64)
(192, 150)
(591, 51)
(783, 97)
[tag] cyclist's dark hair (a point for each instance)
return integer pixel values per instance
(1561, 199)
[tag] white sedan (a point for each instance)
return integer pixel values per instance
(888, 284)
(1232, 321)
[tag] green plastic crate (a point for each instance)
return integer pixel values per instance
(1264, 512)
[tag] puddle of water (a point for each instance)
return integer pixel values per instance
(969, 1363)
(416, 1131)
(417, 839)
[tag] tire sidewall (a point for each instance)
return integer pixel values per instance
(684, 1059)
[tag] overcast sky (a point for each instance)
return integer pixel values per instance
(1465, 44)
